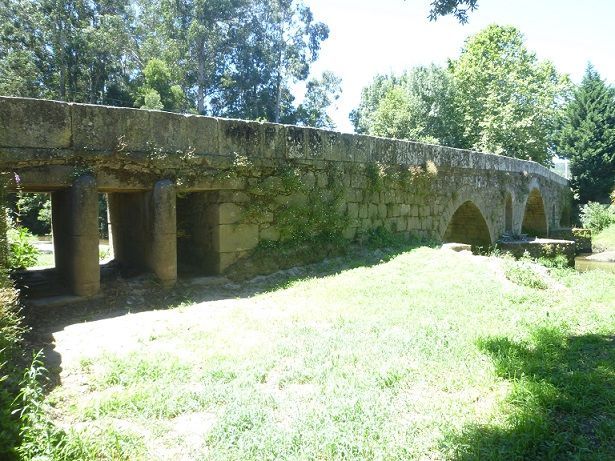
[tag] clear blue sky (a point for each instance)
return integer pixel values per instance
(379, 36)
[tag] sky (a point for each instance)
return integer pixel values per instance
(368, 37)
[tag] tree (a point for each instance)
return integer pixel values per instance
(418, 105)
(458, 8)
(320, 94)
(587, 138)
(158, 90)
(68, 50)
(279, 42)
(509, 100)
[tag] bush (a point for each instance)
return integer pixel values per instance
(596, 216)
(11, 333)
(22, 253)
(523, 273)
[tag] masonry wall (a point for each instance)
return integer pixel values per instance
(246, 190)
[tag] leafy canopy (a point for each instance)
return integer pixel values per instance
(496, 97)
(509, 99)
(587, 138)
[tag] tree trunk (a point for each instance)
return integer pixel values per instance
(200, 95)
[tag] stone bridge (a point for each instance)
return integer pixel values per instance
(216, 195)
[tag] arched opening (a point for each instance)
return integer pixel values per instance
(508, 214)
(468, 226)
(534, 219)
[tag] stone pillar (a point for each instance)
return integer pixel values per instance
(162, 222)
(75, 236)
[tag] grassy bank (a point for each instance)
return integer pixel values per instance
(432, 355)
(605, 240)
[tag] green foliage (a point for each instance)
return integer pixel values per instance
(303, 212)
(158, 91)
(587, 137)
(416, 106)
(33, 211)
(238, 58)
(22, 253)
(11, 332)
(40, 439)
(151, 100)
(596, 216)
(319, 96)
(458, 8)
(496, 97)
(75, 51)
(509, 100)
(524, 273)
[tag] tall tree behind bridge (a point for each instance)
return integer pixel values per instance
(238, 58)
(509, 99)
(496, 97)
(67, 50)
(418, 105)
(587, 138)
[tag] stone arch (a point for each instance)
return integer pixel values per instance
(481, 201)
(535, 216)
(467, 225)
(508, 213)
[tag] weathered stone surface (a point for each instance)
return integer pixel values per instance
(34, 123)
(75, 230)
(235, 237)
(242, 182)
(229, 213)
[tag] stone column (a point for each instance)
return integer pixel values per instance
(75, 236)
(161, 211)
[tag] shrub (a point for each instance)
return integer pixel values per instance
(596, 216)
(523, 273)
(22, 253)
(10, 349)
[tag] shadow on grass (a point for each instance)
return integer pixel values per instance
(132, 295)
(562, 403)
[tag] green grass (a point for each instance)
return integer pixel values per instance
(45, 260)
(605, 240)
(431, 355)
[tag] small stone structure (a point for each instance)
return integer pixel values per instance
(209, 193)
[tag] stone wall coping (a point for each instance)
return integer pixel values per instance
(27, 123)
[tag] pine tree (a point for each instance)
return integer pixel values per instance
(587, 138)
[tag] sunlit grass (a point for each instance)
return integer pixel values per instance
(432, 355)
(605, 240)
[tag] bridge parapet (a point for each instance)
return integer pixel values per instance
(32, 126)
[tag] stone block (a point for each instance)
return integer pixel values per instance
(273, 140)
(225, 260)
(316, 147)
(233, 197)
(34, 123)
(110, 129)
(361, 148)
(229, 213)
(239, 137)
(349, 233)
(343, 146)
(235, 237)
(268, 232)
(353, 210)
(201, 134)
(295, 142)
